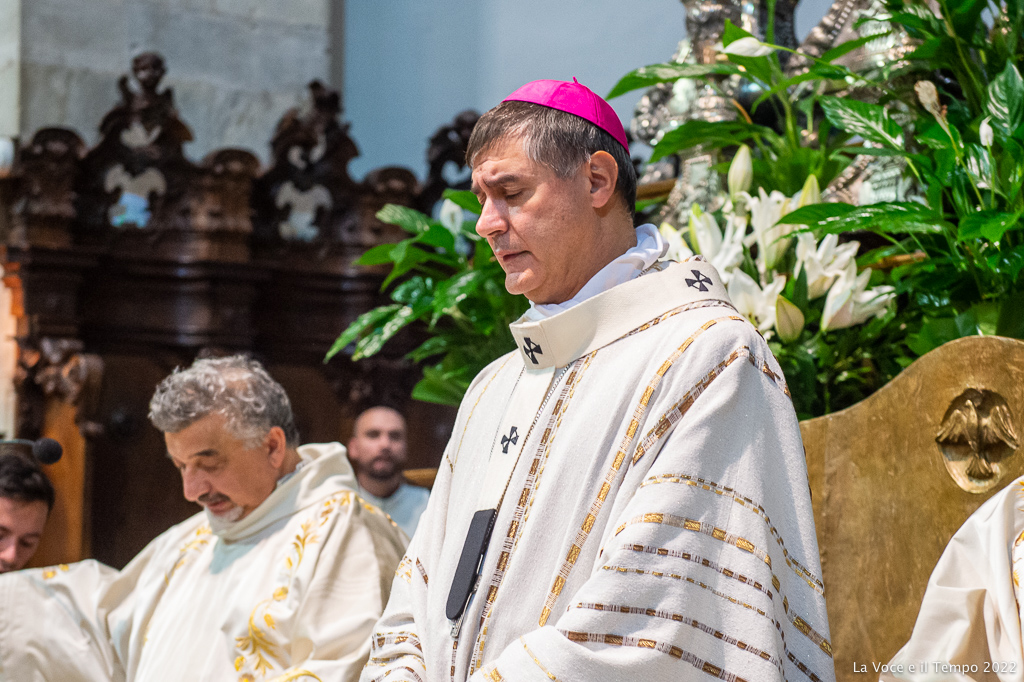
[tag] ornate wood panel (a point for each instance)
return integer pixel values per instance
(128, 259)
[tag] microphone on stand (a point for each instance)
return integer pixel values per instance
(45, 450)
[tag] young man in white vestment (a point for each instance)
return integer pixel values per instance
(624, 496)
(377, 453)
(969, 625)
(280, 577)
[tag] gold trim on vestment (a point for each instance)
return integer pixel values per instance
(684, 620)
(746, 503)
(574, 375)
(199, 539)
(645, 643)
(627, 439)
(257, 643)
(536, 660)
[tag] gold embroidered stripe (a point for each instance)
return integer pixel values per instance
(469, 418)
(697, 559)
(613, 471)
(802, 668)
(721, 595)
(747, 503)
(200, 538)
(537, 661)
(493, 675)
(696, 305)
(695, 526)
(644, 643)
(680, 618)
(393, 638)
(679, 410)
(423, 571)
(574, 376)
(404, 569)
(415, 676)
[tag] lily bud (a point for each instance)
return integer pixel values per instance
(985, 132)
(811, 193)
(747, 47)
(789, 320)
(929, 98)
(741, 171)
(451, 216)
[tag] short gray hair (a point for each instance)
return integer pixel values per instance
(237, 387)
(559, 140)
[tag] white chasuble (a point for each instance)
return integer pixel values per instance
(969, 625)
(290, 592)
(656, 523)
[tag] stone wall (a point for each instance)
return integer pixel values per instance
(235, 65)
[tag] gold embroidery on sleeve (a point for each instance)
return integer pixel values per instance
(747, 503)
(423, 571)
(537, 661)
(404, 570)
(469, 417)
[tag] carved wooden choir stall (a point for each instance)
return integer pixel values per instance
(127, 259)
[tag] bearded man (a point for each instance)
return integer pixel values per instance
(281, 576)
(377, 453)
(637, 457)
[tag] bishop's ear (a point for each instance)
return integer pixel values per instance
(603, 173)
(277, 445)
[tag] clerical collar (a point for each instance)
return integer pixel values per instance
(650, 246)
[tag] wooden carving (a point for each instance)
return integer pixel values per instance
(977, 434)
(135, 177)
(447, 146)
(307, 192)
(56, 368)
(43, 199)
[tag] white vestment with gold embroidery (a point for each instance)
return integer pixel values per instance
(290, 592)
(969, 625)
(657, 524)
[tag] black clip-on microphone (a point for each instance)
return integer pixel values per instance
(45, 450)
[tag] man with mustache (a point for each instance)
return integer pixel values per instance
(280, 576)
(624, 496)
(377, 453)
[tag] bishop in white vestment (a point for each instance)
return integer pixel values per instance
(653, 516)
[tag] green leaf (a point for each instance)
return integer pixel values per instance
(966, 17)
(453, 291)
(714, 135)
(438, 236)
(359, 326)
(1011, 316)
(851, 45)
(934, 332)
(439, 387)
(378, 255)
(646, 76)
(372, 343)
(429, 348)
(870, 121)
(731, 33)
(464, 199)
(986, 225)
(408, 219)
(885, 218)
(1006, 99)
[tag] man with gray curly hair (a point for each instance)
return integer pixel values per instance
(280, 577)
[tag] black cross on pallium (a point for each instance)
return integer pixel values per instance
(699, 283)
(532, 349)
(511, 439)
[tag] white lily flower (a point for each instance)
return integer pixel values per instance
(771, 239)
(724, 251)
(753, 302)
(850, 303)
(747, 47)
(677, 249)
(451, 216)
(789, 319)
(985, 132)
(741, 171)
(822, 262)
